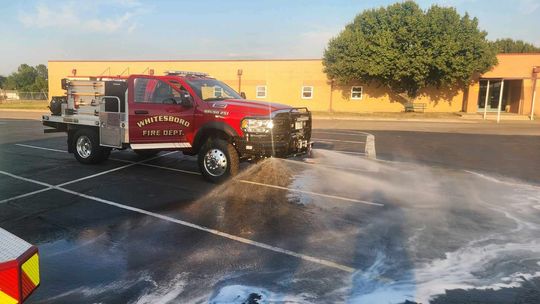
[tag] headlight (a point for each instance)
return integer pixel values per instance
(252, 125)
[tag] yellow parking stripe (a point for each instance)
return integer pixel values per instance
(31, 268)
(5, 299)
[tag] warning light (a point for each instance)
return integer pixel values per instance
(19, 268)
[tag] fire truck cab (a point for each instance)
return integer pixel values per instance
(186, 111)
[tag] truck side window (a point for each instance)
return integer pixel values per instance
(153, 91)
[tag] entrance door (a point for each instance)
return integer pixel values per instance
(157, 120)
(493, 97)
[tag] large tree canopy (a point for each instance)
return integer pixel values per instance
(509, 45)
(406, 49)
(28, 79)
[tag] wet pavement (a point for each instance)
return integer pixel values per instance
(331, 229)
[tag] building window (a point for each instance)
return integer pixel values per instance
(261, 92)
(218, 92)
(307, 92)
(356, 92)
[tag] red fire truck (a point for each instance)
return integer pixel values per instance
(186, 111)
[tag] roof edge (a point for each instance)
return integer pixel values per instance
(189, 60)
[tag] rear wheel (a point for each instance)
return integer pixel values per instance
(218, 160)
(87, 149)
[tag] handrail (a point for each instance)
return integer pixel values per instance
(115, 97)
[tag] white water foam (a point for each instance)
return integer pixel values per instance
(462, 230)
(239, 294)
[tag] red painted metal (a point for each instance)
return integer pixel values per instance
(13, 280)
(230, 112)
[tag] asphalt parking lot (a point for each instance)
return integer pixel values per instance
(437, 218)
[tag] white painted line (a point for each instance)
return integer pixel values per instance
(116, 159)
(26, 179)
(496, 180)
(114, 169)
(338, 140)
(310, 192)
(40, 148)
(334, 133)
(132, 163)
(171, 169)
(346, 152)
(97, 174)
(267, 185)
(326, 166)
(351, 133)
(24, 195)
(198, 227)
(157, 166)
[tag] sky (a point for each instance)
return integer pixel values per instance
(35, 31)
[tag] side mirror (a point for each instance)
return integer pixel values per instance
(187, 101)
(243, 94)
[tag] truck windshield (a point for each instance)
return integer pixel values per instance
(212, 89)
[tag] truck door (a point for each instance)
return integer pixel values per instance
(157, 120)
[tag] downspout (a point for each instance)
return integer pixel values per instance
(239, 73)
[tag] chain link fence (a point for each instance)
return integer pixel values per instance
(14, 95)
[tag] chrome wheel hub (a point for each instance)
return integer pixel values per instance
(84, 146)
(215, 162)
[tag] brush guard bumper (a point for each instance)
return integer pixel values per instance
(291, 136)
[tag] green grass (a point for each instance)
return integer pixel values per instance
(25, 104)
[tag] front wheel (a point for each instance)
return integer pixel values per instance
(218, 160)
(87, 149)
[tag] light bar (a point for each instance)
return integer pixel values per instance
(185, 73)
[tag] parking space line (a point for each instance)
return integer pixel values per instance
(307, 163)
(342, 133)
(157, 166)
(338, 140)
(312, 193)
(114, 169)
(369, 143)
(345, 152)
(267, 185)
(323, 262)
(26, 179)
(41, 148)
(133, 163)
(24, 195)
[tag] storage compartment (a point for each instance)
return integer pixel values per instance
(118, 89)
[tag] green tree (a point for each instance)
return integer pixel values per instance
(407, 49)
(28, 78)
(509, 45)
(2, 81)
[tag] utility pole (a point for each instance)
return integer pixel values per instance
(486, 100)
(500, 101)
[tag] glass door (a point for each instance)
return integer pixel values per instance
(493, 97)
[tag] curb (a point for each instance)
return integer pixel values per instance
(456, 120)
(24, 110)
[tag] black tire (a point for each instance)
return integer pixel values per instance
(215, 150)
(56, 104)
(146, 153)
(86, 147)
